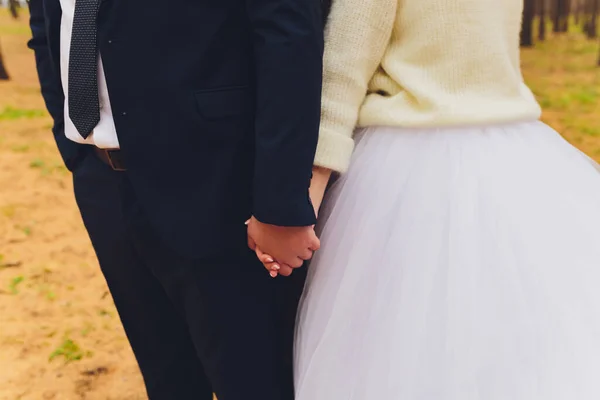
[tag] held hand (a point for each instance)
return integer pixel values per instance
(290, 246)
(318, 185)
(269, 263)
(275, 269)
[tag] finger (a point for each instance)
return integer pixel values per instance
(272, 266)
(267, 261)
(296, 263)
(307, 254)
(263, 257)
(314, 243)
(285, 270)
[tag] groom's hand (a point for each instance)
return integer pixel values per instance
(288, 245)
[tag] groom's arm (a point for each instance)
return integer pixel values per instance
(50, 83)
(288, 48)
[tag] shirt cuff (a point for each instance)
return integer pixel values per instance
(334, 151)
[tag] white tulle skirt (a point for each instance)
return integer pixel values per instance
(456, 264)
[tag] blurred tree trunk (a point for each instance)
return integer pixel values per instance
(585, 22)
(13, 6)
(592, 28)
(527, 24)
(564, 15)
(3, 72)
(542, 18)
(556, 15)
(576, 10)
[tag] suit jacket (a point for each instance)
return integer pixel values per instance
(216, 105)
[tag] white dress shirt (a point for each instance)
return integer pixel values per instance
(105, 133)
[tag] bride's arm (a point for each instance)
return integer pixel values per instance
(357, 34)
(318, 184)
(356, 37)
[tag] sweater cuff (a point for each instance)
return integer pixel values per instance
(334, 151)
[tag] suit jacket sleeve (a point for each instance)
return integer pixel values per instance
(50, 83)
(288, 49)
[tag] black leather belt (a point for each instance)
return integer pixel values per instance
(112, 158)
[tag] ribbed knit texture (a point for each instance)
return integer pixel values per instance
(419, 63)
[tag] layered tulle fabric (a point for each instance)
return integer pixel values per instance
(456, 264)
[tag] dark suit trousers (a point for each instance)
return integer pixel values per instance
(219, 324)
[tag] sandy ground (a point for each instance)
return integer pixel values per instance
(60, 335)
(53, 298)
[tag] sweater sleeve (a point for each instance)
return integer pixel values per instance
(357, 35)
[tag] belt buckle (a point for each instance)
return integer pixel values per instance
(115, 161)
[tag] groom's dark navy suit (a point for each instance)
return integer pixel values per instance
(216, 105)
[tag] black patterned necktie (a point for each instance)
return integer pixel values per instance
(84, 106)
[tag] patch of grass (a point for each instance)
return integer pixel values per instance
(9, 114)
(24, 148)
(565, 79)
(578, 47)
(57, 168)
(105, 313)
(87, 330)
(26, 229)
(47, 292)
(591, 130)
(20, 29)
(46, 169)
(37, 163)
(545, 102)
(13, 287)
(68, 350)
(576, 97)
(60, 168)
(586, 95)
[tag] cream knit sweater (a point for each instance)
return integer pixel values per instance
(419, 63)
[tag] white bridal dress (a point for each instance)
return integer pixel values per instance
(456, 264)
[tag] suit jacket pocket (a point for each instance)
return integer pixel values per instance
(223, 103)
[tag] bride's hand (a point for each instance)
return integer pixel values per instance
(275, 268)
(318, 185)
